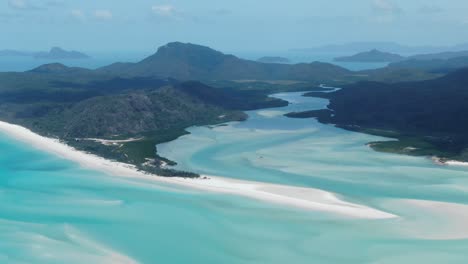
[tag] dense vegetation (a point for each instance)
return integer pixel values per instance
(193, 62)
(429, 117)
(79, 105)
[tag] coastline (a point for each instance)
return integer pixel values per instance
(297, 197)
(445, 162)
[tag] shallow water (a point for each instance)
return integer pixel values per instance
(53, 211)
(273, 148)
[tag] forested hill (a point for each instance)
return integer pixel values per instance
(75, 104)
(194, 62)
(436, 65)
(432, 113)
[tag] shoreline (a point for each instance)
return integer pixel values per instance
(446, 162)
(297, 197)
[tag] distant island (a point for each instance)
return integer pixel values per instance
(274, 60)
(440, 55)
(355, 47)
(56, 53)
(371, 56)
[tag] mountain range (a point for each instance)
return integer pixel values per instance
(270, 59)
(438, 63)
(193, 62)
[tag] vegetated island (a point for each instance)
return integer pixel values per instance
(427, 118)
(122, 111)
(371, 57)
(271, 59)
(57, 53)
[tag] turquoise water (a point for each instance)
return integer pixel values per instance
(53, 211)
(273, 148)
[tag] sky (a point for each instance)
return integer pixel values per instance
(235, 25)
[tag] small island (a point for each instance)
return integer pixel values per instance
(373, 56)
(57, 53)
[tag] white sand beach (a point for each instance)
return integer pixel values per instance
(440, 161)
(304, 198)
(456, 163)
(433, 220)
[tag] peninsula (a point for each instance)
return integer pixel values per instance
(426, 118)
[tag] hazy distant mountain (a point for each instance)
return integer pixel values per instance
(193, 62)
(274, 60)
(371, 56)
(433, 65)
(14, 53)
(57, 53)
(440, 55)
(355, 47)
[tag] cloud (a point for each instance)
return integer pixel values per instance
(103, 14)
(386, 7)
(163, 10)
(27, 5)
(78, 14)
(430, 9)
(223, 12)
(55, 3)
(21, 5)
(18, 4)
